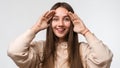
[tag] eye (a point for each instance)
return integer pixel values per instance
(55, 19)
(67, 19)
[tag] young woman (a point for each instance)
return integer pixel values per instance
(61, 48)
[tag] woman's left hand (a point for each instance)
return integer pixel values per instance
(79, 26)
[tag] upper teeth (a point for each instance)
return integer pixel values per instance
(60, 29)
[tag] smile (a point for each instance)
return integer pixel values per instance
(60, 30)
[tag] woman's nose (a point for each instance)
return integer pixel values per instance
(61, 23)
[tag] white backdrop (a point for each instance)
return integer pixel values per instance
(100, 16)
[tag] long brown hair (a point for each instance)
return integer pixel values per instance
(74, 59)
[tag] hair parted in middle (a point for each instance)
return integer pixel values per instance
(74, 59)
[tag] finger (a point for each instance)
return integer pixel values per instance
(45, 14)
(70, 14)
(50, 14)
(76, 16)
(73, 16)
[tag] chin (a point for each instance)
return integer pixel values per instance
(60, 36)
(63, 35)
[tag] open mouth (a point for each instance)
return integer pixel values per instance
(60, 30)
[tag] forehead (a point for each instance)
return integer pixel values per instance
(61, 11)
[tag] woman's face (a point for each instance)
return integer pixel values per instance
(61, 23)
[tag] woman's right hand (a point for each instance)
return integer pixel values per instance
(42, 22)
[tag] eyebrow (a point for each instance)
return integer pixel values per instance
(58, 16)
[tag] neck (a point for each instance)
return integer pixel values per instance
(61, 40)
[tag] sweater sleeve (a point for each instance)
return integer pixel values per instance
(22, 52)
(95, 53)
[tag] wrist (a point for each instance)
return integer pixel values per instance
(85, 32)
(35, 30)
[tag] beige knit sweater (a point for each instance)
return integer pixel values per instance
(27, 53)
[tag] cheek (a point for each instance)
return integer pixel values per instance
(67, 24)
(53, 24)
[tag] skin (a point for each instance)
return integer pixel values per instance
(42, 24)
(61, 23)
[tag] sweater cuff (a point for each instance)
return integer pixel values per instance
(91, 38)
